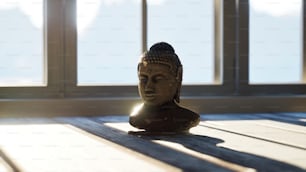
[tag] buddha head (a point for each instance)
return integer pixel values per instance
(160, 75)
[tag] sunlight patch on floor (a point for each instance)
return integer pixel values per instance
(57, 147)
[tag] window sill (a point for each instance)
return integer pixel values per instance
(123, 106)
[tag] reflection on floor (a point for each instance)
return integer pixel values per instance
(222, 142)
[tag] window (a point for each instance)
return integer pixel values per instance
(111, 57)
(31, 48)
(235, 53)
(22, 48)
(275, 41)
(272, 48)
(106, 64)
(109, 42)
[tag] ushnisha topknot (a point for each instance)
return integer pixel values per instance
(162, 53)
(162, 46)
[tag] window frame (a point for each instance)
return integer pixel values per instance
(53, 37)
(71, 88)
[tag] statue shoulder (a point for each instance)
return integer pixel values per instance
(180, 111)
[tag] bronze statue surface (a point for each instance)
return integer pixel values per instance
(160, 80)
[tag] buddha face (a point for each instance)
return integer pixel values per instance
(157, 84)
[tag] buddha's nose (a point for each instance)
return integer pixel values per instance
(149, 86)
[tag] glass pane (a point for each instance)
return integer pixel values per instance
(189, 27)
(109, 42)
(21, 43)
(275, 41)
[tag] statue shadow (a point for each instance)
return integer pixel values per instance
(209, 146)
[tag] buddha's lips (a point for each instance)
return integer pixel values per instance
(150, 96)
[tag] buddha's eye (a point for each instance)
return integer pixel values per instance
(159, 78)
(143, 79)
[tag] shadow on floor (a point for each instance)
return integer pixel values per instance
(208, 145)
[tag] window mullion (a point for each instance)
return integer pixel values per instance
(54, 40)
(230, 44)
(70, 44)
(144, 29)
(218, 35)
(304, 41)
(243, 53)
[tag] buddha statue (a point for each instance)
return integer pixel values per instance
(160, 80)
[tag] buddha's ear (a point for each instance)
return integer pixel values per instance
(179, 78)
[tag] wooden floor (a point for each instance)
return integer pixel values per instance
(221, 142)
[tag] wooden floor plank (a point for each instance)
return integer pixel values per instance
(289, 118)
(269, 120)
(267, 133)
(261, 128)
(300, 115)
(282, 126)
(292, 118)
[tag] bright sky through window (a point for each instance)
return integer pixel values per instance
(109, 34)
(88, 10)
(33, 9)
(189, 27)
(275, 41)
(109, 45)
(277, 8)
(21, 43)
